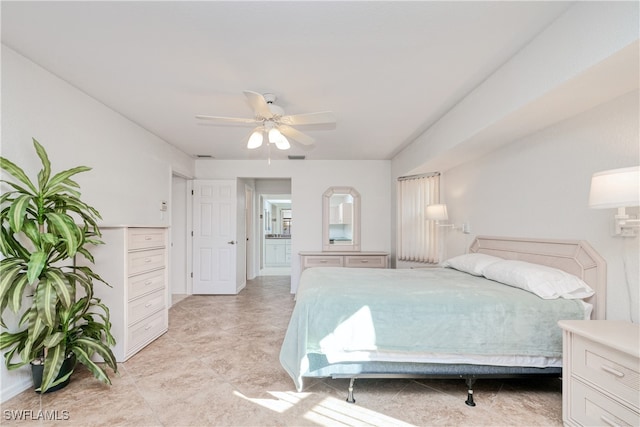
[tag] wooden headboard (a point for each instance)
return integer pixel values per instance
(573, 256)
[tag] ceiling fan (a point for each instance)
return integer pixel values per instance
(271, 120)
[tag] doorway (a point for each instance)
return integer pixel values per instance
(277, 228)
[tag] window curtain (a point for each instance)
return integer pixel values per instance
(417, 237)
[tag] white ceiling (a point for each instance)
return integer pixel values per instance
(387, 70)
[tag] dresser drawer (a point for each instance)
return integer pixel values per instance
(594, 363)
(145, 331)
(322, 261)
(145, 283)
(143, 261)
(355, 261)
(144, 306)
(145, 238)
(591, 408)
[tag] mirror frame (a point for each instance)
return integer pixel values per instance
(326, 204)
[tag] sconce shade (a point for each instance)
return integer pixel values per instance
(615, 188)
(437, 212)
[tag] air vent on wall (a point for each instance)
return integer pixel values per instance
(204, 156)
(296, 157)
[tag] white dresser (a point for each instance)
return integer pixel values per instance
(601, 379)
(133, 261)
(344, 259)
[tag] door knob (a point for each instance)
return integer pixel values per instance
(231, 242)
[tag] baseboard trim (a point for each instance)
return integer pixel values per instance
(15, 389)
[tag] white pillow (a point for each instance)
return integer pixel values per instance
(546, 282)
(471, 263)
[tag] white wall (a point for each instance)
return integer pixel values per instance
(588, 56)
(538, 186)
(178, 245)
(131, 167)
(517, 153)
(309, 180)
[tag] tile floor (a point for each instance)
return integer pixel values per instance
(218, 366)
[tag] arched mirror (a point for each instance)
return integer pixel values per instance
(341, 219)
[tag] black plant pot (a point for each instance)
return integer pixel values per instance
(67, 366)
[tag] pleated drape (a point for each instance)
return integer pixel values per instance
(417, 237)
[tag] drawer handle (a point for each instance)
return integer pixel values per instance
(147, 305)
(147, 260)
(147, 327)
(612, 371)
(364, 261)
(147, 237)
(324, 261)
(148, 282)
(608, 421)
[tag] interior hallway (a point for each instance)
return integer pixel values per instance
(218, 366)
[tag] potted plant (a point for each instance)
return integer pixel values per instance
(44, 227)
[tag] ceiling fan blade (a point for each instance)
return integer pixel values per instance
(227, 119)
(295, 134)
(258, 103)
(309, 118)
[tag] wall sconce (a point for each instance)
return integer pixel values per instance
(617, 188)
(439, 213)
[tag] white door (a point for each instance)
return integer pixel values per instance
(214, 237)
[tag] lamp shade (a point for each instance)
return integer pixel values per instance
(255, 140)
(615, 188)
(437, 212)
(277, 138)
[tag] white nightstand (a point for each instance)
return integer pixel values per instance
(601, 379)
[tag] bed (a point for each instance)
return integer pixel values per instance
(450, 322)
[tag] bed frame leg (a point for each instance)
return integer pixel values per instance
(350, 398)
(469, 400)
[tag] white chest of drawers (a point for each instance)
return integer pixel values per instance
(344, 259)
(601, 373)
(133, 261)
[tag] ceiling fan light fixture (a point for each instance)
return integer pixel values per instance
(283, 144)
(255, 140)
(273, 123)
(276, 137)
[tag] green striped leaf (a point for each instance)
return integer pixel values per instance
(71, 183)
(10, 246)
(66, 228)
(19, 190)
(53, 339)
(46, 300)
(17, 172)
(7, 339)
(9, 272)
(17, 292)
(45, 172)
(17, 212)
(37, 261)
(62, 379)
(60, 177)
(62, 287)
(49, 238)
(52, 364)
(30, 229)
(85, 359)
(94, 346)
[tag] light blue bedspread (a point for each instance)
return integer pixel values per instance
(351, 315)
